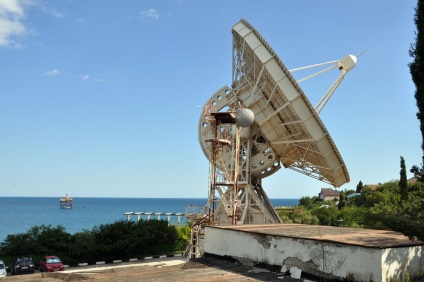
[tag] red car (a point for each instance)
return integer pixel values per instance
(51, 263)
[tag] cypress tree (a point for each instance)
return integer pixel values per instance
(416, 69)
(403, 182)
(342, 200)
(359, 187)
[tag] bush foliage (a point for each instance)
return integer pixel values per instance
(119, 240)
(385, 207)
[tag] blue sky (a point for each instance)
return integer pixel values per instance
(98, 98)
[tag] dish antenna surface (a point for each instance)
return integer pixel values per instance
(260, 123)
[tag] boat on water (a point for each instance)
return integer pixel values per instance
(66, 203)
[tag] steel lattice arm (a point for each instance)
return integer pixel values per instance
(344, 65)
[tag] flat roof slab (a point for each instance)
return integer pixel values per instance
(352, 236)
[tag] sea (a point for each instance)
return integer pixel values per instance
(19, 214)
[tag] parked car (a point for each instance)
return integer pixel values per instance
(51, 263)
(23, 265)
(2, 269)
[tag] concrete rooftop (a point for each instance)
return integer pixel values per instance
(352, 236)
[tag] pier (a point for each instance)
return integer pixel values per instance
(192, 212)
(157, 214)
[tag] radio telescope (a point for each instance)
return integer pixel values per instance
(260, 123)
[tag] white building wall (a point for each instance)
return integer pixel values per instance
(397, 262)
(324, 259)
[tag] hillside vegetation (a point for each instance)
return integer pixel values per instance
(384, 207)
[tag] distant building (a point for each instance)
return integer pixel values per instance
(412, 180)
(328, 194)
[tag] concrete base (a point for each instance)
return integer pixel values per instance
(322, 251)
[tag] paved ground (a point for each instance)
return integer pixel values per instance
(167, 269)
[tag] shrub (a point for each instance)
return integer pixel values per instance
(118, 240)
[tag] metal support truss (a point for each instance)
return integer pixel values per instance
(235, 197)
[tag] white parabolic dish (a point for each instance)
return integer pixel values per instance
(292, 129)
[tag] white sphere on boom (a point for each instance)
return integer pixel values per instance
(245, 118)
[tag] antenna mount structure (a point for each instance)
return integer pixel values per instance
(261, 123)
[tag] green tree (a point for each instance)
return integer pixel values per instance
(38, 240)
(326, 215)
(299, 216)
(416, 69)
(304, 217)
(387, 211)
(119, 240)
(359, 187)
(412, 213)
(53, 238)
(403, 182)
(305, 201)
(16, 244)
(385, 199)
(309, 202)
(353, 216)
(342, 200)
(404, 222)
(82, 246)
(184, 234)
